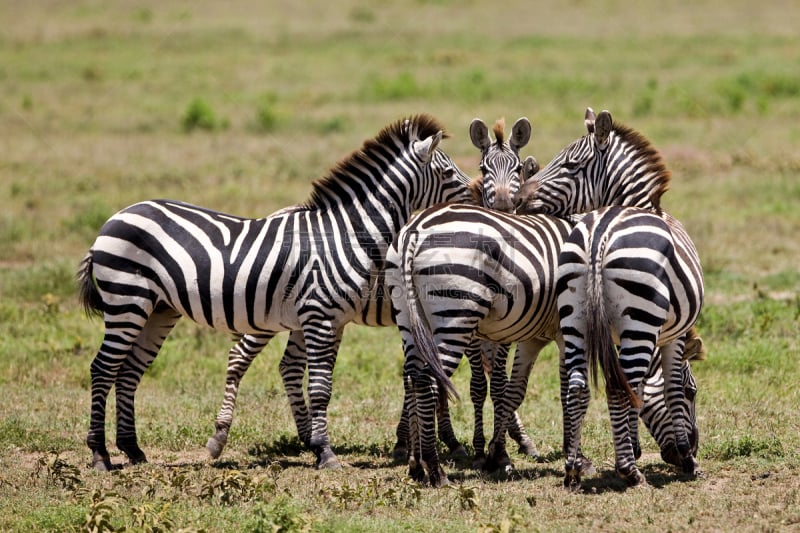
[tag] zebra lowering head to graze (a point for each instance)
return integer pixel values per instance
(461, 271)
(309, 268)
(628, 275)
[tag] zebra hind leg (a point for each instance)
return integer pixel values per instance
(239, 359)
(144, 351)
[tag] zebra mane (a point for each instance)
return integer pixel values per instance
(351, 168)
(651, 156)
(499, 130)
(475, 189)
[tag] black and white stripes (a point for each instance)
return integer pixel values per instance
(310, 269)
(628, 275)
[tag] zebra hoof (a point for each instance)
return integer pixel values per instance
(529, 449)
(691, 467)
(216, 444)
(416, 472)
(438, 478)
(459, 452)
(102, 463)
(132, 450)
(479, 463)
(327, 460)
(634, 478)
(399, 454)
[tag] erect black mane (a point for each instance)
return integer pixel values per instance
(406, 130)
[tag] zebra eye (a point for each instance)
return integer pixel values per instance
(449, 172)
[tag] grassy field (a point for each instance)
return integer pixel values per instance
(240, 106)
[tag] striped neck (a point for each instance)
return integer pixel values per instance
(632, 172)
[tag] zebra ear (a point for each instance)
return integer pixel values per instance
(602, 128)
(588, 119)
(529, 167)
(520, 134)
(424, 148)
(479, 134)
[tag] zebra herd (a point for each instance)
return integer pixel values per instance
(594, 264)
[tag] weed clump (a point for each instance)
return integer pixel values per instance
(199, 115)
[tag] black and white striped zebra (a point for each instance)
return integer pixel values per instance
(501, 171)
(628, 275)
(309, 269)
(499, 163)
(654, 412)
(460, 271)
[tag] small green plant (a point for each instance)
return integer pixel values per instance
(281, 516)
(230, 487)
(152, 518)
(266, 115)
(102, 507)
(58, 472)
(199, 115)
(746, 446)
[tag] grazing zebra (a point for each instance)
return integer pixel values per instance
(501, 171)
(309, 269)
(654, 412)
(458, 271)
(628, 275)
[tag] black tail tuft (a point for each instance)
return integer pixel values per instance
(87, 291)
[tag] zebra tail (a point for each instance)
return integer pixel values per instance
(88, 294)
(421, 332)
(600, 349)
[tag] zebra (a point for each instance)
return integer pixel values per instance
(628, 274)
(458, 271)
(309, 269)
(501, 171)
(654, 412)
(499, 165)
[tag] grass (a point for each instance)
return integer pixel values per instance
(239, 108)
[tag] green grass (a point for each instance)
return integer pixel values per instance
(239, 107)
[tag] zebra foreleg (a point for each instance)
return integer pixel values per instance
(672, 360)
(239, 359)
(477, 392)
(507, 395)
(293, 370)
(322, 343)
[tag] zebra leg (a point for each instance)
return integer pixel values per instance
(509, 398)
(116, 348)
(293, 370)
(477, 391)
(239, 359)
(144, 351)
(426, 396)
(577, 402)
(400, 452)
(619, 408)
(322, 344)
(445, 429)
(587, 468)
(672, 360)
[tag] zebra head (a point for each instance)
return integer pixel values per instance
(610, 165)
(436, 178)
(501, 167)
(655, 414)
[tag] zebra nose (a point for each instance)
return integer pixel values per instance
(503, 203)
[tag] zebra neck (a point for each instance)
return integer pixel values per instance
(630, 179)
